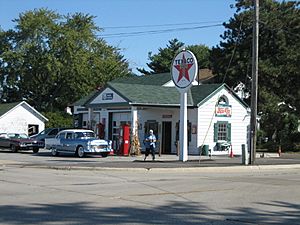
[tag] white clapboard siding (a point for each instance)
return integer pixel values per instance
(18, 119)
(239, 122)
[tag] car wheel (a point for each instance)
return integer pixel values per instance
(104, 154)
(35, 150)
(54, 152)
(80, 152)
(13, 148)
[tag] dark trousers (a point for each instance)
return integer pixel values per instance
(150, 150)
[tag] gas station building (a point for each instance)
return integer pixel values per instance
(217, 117)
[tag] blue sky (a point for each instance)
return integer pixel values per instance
(164, 14)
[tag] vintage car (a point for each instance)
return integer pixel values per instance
(78, 142)
(19, 141)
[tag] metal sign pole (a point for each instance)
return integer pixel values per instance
(184, 69)
(183, 128)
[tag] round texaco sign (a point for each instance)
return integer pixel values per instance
(184, 69)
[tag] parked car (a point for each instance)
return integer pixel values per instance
(47, 133)
(78, 141)
(19, 141)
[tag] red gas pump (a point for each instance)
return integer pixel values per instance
(125, 140)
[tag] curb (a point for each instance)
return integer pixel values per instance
(160, 169)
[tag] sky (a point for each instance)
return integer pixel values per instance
(141, 26)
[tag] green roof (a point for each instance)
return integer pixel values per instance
(159, 95)
(149, 90)
(4, 108)
(201, 92)
(148, 94)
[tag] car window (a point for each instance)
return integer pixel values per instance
(15, 135)
(69, 135)
(62, 135)
(53, 132)
(79, 135)
(45, 131)
(3, 135)
(23, 136)
(84, 134)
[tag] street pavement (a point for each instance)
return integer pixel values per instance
(41, 189)
(68, 161)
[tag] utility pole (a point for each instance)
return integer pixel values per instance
(253, 122)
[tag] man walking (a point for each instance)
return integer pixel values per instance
(150, 145)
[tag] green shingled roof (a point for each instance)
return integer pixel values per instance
(4, 108)
(148, 90)
(201, 92)
(151, 94)
(148, 94)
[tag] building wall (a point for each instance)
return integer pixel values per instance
(202, 121)
(18, 120)
(239, 121)
(161, 115)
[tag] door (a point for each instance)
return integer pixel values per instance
(166, 137)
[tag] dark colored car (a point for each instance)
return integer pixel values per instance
(47, 133)
(16, 141)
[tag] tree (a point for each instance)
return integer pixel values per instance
(51, 60)
(279, 69)
(161, 62)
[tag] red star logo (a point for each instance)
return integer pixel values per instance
(183, 69)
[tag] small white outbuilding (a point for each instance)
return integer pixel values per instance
(20, 117)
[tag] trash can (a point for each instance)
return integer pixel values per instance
(205, 150)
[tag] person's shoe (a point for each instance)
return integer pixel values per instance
(145, 159)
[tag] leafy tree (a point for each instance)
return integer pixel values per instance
(58, 119)
(279, 68)
(161, 62)
(51, 60)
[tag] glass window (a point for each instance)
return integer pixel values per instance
(69, 135)
(62, 135)
(53, 132)
(223, 100)
(222, 131)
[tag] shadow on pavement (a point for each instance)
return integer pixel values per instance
(173, 213)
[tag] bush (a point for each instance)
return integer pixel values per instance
(58, 119)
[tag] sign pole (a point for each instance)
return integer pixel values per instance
(183, 156)
(184, 70)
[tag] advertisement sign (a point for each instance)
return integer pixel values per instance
(184, 70)
(223, 110)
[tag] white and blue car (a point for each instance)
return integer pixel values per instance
(79, 142)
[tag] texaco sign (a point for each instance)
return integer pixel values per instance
(184, 69)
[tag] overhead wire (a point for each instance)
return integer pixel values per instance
(233, 52)
(160, 25)
(139, 33)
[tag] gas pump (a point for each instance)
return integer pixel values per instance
(124, 139)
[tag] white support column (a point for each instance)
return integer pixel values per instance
(104, 121)
(90, 117)
(183, 139)
(134, 118)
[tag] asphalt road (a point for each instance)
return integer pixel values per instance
(41, 189)
(53, 196)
